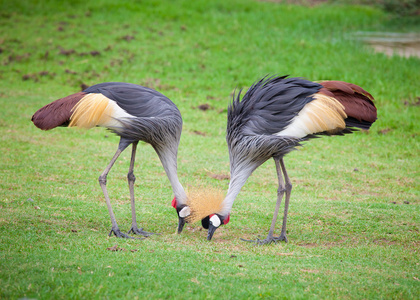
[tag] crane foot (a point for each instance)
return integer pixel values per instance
(268, 240)
(282, 237)
(117, 232)
(136, 230)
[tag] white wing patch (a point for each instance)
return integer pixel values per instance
(321, 114)
(118, 114)
(97, 110)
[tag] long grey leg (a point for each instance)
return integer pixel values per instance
(102, 181)
(131, 179)
(280, 192)
(286, 203)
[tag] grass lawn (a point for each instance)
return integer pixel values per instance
(354, 216)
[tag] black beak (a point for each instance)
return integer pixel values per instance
(211, 231)
(181, 223)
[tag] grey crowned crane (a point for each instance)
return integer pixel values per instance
(274, 116)
(135, 113)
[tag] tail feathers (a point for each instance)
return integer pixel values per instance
(352, 122)
(358, 103)
(57, 113)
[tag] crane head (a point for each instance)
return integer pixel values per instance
(212, 222)
(183, 211)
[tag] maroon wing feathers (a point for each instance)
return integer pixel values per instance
(56, 113)
(357, 102)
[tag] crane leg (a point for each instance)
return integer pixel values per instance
(131, 179)
(280, 193)
(288, 187)
(102, 181)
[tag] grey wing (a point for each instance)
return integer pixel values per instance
(137, 100)
(271, 104)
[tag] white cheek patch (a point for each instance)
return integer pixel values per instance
(185, 212)
(215, 220)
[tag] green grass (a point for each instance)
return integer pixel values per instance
(347, 239)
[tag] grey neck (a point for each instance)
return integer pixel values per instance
(169, 163)
(239, 176)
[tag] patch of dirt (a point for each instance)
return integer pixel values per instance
(128, 38)
(392, 43)
(309, 271)
(412, 103)
(285, 254)
(16, 58)
(390, 50)
(203, 107)
(195, 280)
(383, 242)
(156, 84)
(194, 229)
(298, 2)
(70, 72)
(197, 132)
(385, 131)
(92, 53)
(308, 245)
(219, 176)
(116, 248)
(67, 52)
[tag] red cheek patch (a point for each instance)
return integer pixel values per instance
(225, 221)
(174, 202)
